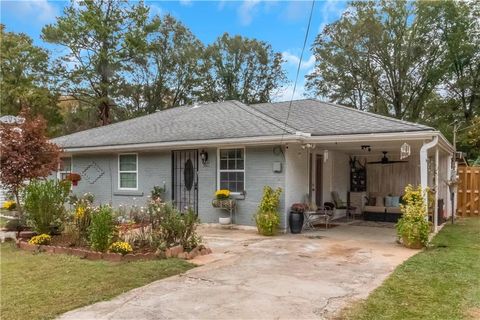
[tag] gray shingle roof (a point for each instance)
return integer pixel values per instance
(324, 118)
(229, 119)
(232, 119)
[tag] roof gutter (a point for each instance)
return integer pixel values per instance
(297, 138)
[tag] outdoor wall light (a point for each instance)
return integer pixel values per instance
(204, 157)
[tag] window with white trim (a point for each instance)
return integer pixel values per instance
(231, 169)
(65, 168)
(127, 171)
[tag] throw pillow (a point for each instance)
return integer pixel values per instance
(396, 201)
(379, 201)
(388, 201)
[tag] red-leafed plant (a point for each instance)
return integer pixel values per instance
(25, 153)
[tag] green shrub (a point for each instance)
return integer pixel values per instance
(83, 214)
(178, 228)
(44, 204)
(101, 229)
(267, 218)
(413, 228)
(15, 225)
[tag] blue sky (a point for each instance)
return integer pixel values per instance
(280, 23)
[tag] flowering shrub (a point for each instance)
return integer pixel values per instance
(222, 194)
(120, 247)
(9, 205)
(267, 218)
(82, 214)
(413, 226)
(41, 239)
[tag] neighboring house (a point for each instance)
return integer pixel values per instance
(307, 149)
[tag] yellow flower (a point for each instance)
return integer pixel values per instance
(9, 205)
(222, 194)
(40, 239)
(80, 213)
(120, 247)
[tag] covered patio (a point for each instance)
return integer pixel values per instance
(365, 176)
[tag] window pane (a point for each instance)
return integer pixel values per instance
(232, 186)
(223, 184)
(231, 164)
(240, 187)
(223, 164)
(223, 154)
(240, 176)
(240, 164)
(128, 162)
(128, 180)
(66, 164)
(224, 176)
(239, 154)
(231, 153)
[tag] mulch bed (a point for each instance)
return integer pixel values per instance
(61, 245)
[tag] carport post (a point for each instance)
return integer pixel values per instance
(435, 203)
(424, 167)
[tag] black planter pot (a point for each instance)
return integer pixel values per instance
(295, 221)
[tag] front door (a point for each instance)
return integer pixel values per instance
(185, 179)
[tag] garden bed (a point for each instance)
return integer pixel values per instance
(174, 252)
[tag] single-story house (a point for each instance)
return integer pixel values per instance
(308, 148)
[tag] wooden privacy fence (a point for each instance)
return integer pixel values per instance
(468, 191)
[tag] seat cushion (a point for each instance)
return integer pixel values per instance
(374, 209)
(395, 201)
(393, 210)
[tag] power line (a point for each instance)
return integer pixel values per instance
(298, 69)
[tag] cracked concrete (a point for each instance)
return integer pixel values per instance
(307, 276)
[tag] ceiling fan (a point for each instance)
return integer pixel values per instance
(385, 160)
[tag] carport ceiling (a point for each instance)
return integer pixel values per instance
(355, 148)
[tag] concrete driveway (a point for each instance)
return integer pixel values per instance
(312, 275)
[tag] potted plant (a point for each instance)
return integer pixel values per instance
(296, 217)
(74, 178)
(222, 201)
(413, 227)
(267, 218)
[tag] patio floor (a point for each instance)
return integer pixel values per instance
(310, 275)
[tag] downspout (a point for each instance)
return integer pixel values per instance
(423, 165)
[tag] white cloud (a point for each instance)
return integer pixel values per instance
(294, 60)
(285, 94)
(331, 10)
(247, 10)
(40, 11)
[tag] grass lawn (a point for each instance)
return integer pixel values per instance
(41, 286)
(442, 282)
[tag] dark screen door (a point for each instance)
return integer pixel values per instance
(185, 179)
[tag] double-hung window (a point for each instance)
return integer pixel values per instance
(231, 169)
(65, 168)
(128, 171)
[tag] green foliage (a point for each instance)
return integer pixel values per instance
(82, 216)
(413, 226)
(440, 282)
(25, 81)
(15, 225)
(178, 228)
(44, 204)
(157, 192)
(268, 218)
(101, 229)
(117, 32)
(241, 69)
